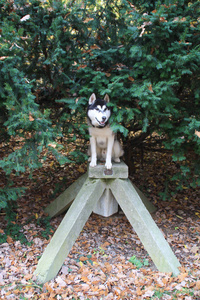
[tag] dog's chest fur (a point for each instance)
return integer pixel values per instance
(101, 135)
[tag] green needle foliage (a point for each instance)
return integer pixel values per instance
(54, 54)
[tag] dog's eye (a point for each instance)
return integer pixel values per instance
(97, 109)
(104, 109)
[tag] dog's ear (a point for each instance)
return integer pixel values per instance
(92, 99)
(106, 98)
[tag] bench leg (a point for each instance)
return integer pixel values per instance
(145, 227)
(62, 202)
(69, 229)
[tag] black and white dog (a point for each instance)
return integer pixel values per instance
(103, 145)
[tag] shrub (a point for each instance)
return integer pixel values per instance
(54, 54)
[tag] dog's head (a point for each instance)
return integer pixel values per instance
(98, 112)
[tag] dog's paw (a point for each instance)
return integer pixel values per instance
(108, 165)
(93, 164)
(117, 160)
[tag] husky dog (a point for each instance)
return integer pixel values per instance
(103, 145)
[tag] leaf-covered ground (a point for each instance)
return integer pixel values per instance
(108, 260)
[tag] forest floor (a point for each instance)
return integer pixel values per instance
(107, 261)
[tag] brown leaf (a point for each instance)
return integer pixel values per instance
(183, 19)
(165, 280)
(88, 20)
(31, 119)
(83, 258)
(197, 286)
(9, 240)
(197, 133)
(105, 245)
(108, 266)
(28, 276)
(139, 291)
(182, 276)
(131, 78)
(162, 19)
(150, 88)
(95, 47)
(81, 67)
(108, 74)
(81, 170)
(152, 50)
(85, 279)
(48, 287)
(52, 145)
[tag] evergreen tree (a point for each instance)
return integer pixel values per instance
(54, 54)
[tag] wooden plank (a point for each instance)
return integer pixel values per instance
(69, 229)
(63, 201)
(149, 206)
(145, 227)
(119, 170)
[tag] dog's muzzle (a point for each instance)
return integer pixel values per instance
(103, 122)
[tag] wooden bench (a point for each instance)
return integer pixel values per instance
(100, 191)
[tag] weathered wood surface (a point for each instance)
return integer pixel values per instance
(145, 227)
(62, 202)
(88, 190)
(119, 170)
(107, 204)
(69, 229)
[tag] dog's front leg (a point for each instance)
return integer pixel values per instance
(108, 163)
(93, 162)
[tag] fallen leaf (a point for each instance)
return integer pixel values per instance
(182, 276)
(85, 279)
(139, 292)
(31, 119)
(162, 19)
(105, 245)
(28, 276)
(197, 133)
(88, 20)
(108, 74)
(197, 286)
(131, 78)
(150, 88)
(9, 240)
(83, 258)
(81, 170)
(95, 47)
(53, 145)
(60, 281)
(81, 67)
(108, 266)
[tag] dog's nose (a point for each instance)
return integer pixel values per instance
(103, 118)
